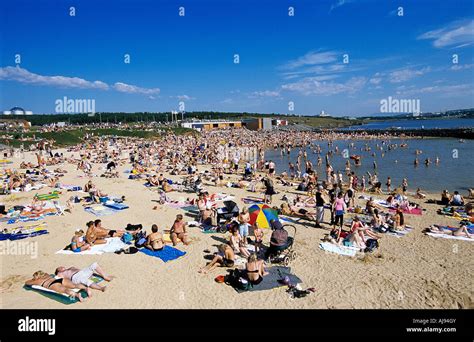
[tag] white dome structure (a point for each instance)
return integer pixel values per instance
(17, 111)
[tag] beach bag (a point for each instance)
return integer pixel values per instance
(235, 280)
(371, 245)
(127, 238)
(140, 239)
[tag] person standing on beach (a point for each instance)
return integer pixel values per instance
(404, 185)
(269, 190)
(389, 184)
(319, 207)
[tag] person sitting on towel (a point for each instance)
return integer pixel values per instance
(178, 231)
(457, 199)
(155, 241)
(82, 277)
(153, 180)
(78, 243)
(279, 239)
(255, 270)
(103, 232)
(92, 235)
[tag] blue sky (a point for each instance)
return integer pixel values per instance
(283, 58)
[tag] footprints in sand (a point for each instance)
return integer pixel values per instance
(9, 284)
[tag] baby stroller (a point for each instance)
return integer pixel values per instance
(229, 211)
(287, 255)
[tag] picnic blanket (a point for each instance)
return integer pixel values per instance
(168, 253)
(271, 282)
(338, 249)
(112, 245)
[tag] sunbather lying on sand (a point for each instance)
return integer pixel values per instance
(60, 285)
(455, 232)
(82, 277)
(291, 210)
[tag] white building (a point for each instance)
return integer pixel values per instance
(323, 114)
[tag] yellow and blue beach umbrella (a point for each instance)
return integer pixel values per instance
(262, 214)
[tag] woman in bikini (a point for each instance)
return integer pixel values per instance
(155, 241)
(255, 270)
(78, 243)
(60, 285)
(225, 257)
(461, 231)
(237, 244)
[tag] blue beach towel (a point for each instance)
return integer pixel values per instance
(167, 254)
(116, 206)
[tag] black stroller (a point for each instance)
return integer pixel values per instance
(229, 211)
(287, 255)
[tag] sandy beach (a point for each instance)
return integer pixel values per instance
(414, 271)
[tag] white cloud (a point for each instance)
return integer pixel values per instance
(457, 67)
(339, 3)
(312, 86)
(406, 74)
(375, 80)
(21, 75)
(456, 33)
(24, 76)
(183, 97)
(132, 89)
(311, 58)
(444, 90)
(265, 93)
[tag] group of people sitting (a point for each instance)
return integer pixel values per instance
(237, 245)
(96, 234)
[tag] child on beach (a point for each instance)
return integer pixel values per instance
(78, 243)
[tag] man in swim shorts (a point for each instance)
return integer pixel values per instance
(78, 276)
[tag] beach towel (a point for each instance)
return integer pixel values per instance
(451, 237)
(470, 228)
(270, 281)
(24, 232)
(289, 219)
(20, 236)
(116, 206)
(167, 237)
(168, 253)
(414, 211)
(338, 249)
(112, 245)
(248, 200)
(100, 210)
(62, 297)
